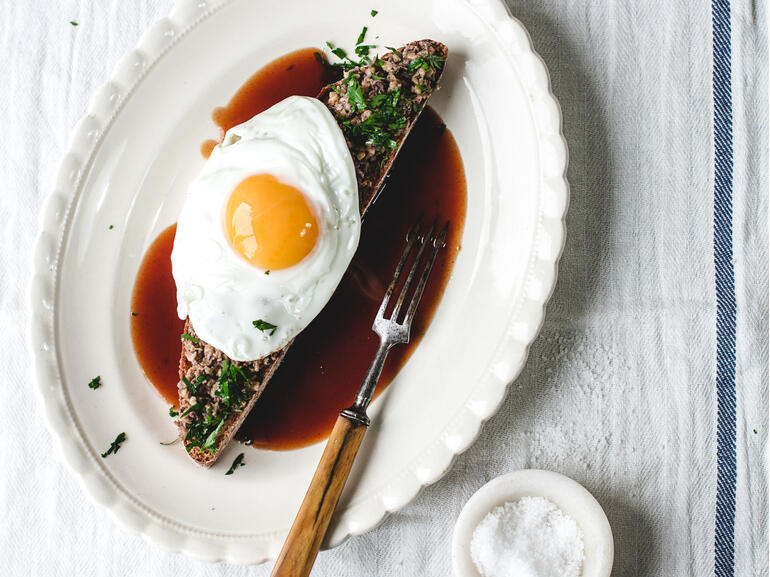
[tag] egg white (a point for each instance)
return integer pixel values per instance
(299, 143)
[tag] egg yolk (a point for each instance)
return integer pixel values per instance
(270, 223)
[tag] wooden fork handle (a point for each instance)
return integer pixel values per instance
(312, 521)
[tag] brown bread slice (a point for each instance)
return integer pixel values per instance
(206, 422)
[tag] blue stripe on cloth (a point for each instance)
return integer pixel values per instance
(724, 539)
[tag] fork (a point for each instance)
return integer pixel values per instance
(312, 521)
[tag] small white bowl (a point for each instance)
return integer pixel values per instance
(571, 497)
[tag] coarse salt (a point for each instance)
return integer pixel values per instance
(530, 537)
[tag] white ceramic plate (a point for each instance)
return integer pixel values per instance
(128, 165)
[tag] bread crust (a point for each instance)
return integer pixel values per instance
(394, 71)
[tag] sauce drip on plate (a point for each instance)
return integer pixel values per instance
(300, 73)
(155, 326)
(324, 367)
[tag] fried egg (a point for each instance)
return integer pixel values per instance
(267, 230)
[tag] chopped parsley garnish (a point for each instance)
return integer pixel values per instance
(188, 385)
(211, 439)
(192, 388)
(267, 271)
(133, 314)
(190, 409)
(355, 94)
(238, 462)
(199, 433)
(263, 326)
(232, 387)
(73, 23)
(755, 431)
(362, 51)
(362, 35)
(191, 338)
(114, 446)
(172, 412)
(395, 51)
(379, 100)
(385, 121)
(426, 62)
(171, 442)
(338, 52)
(95, 383)
(374, 13)
(347, 63)
(110, 227)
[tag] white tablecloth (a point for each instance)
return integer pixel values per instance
(620, 390)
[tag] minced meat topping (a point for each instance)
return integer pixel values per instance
(213, 389)
(376, 102)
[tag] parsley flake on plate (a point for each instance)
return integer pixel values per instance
(362, 35)
(114, 446)
(238, 462)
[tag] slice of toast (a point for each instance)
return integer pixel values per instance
(376, 106)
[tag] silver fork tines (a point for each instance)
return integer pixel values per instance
(411, 237)
(438, 243)
(390, 331)
(410, 276)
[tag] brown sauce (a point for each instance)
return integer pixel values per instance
(300, 73)
(155, 327)
(324, 367)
